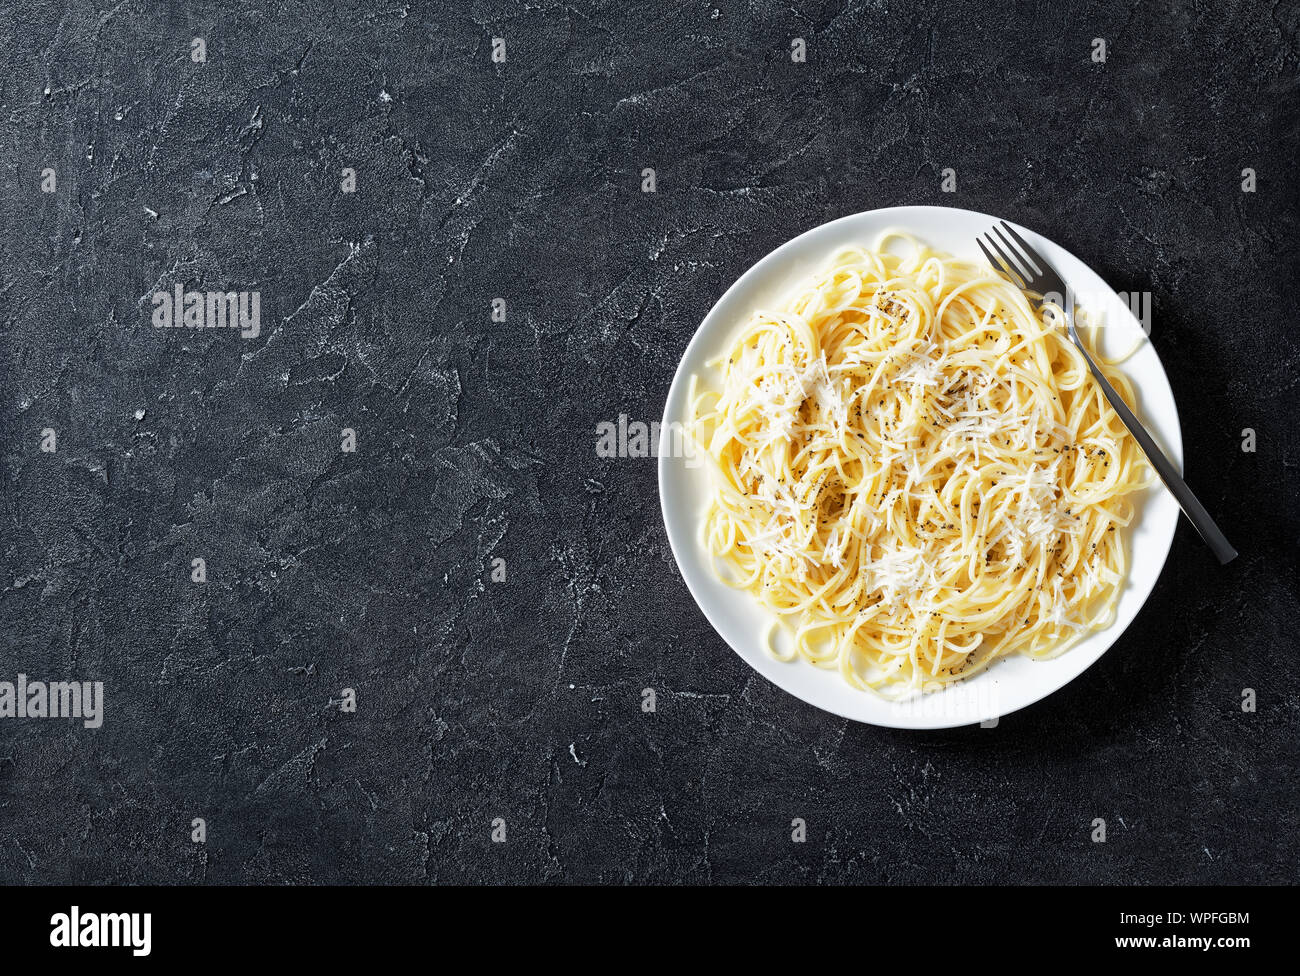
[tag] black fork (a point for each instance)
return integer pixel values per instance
(1026, 269)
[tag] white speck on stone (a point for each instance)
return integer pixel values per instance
(384, 96)
(139, 414)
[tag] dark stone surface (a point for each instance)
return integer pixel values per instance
(521, 700)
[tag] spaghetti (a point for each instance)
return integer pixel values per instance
(914, 470)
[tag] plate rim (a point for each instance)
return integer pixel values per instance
(771, 668)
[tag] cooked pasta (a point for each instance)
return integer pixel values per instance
(913, 469)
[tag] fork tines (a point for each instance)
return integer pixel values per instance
(1023, 266)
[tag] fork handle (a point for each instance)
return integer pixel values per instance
(1189, 503)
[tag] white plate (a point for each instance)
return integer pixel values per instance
(1010, 684)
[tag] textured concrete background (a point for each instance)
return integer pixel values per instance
(522, 700)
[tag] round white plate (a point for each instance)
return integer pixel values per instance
(1010, 684)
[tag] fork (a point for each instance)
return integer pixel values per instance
(1029, 272)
